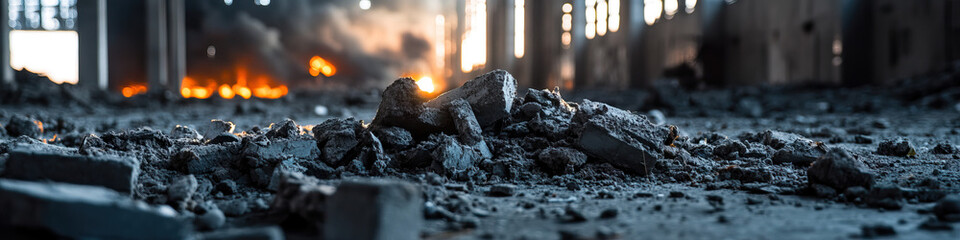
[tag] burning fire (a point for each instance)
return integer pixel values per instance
(318, 66)
(426, 84)
(262, 87)
(130, 91)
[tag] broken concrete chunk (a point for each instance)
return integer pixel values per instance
(299, 194)
(948, 208)
(561, 160)
(216, 127)
(503, 190)
(840, 170)
(400, 105)
(252, 233)
(336, 138)
(378, 209)
(114, 172)
(205, 159)
(78, 211)
(184, 132)
(454, 158)
(730, 149)
(394, 137)
(778, 139)
(799, 152)
(621, 138)
(282, 171)
(491, 95)
(278, 150)
(224, 138)
(284, 129)
(20, 125)
(468, 127)
(944, 148)
(182, 189)
(898, 148)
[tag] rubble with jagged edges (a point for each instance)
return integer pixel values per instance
(484, 133)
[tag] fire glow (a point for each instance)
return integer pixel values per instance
(262, 87)
(132, 90)
(319, 66)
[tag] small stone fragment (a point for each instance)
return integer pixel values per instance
(284, 129)
(20, 125)
(182, 189)
(215, 127)
(503, 190)
(948, 208)
(619, 137)
(840, 170)
(394, 137)
(336, 138)
(898, 148)
(184, 132)
(224, 138)
(561, 160)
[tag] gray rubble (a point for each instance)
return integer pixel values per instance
(378, 209)
(216, 127)
(79, 211)
(114, 172)
(840, 170)
(619, 137)
(491, 96)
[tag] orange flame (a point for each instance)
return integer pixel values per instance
(319, 66)
(426, 84)
(263, 87)
(132, 90)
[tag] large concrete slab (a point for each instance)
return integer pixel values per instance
(114, 172)
(374, 209)
(78, 211)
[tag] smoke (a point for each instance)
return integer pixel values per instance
(369, 48)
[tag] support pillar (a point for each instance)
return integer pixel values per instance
(92, 31)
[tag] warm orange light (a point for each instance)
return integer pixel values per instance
(185, 92)
(39, 125)
(426, 84)
(244, 92)
(226, 92)
(201, 93)
(319, 66)
(130, 91)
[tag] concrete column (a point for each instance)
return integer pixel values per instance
(92, 31)
(177, 44)
(157, 48)
(6, 73)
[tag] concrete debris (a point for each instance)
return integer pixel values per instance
(114, 172)
(394, 137)
(284, 129)
(20, 125)
(453, 158)
(78, 211)
(885, 196)
(336, 139)
(216, 127)
(944, 148)
(211, 218)
(503, 190)
(224, 138)
(896, 147)
(468, 127)
(561, 160)
(252, 233)
(258, 153)
(800, 152)
(840, 170)
(491, 95)
(182, 188)
(401, 105)
(205, 159)
(184, 132)
(948, 208)
(378, 209)
(303, 196)
(619, 137)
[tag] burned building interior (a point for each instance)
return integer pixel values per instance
(479, 119)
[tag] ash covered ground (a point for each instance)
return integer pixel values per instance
(486, 161)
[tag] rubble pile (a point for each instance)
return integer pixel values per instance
(483, 136)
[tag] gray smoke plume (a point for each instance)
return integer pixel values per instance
(368, 48)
